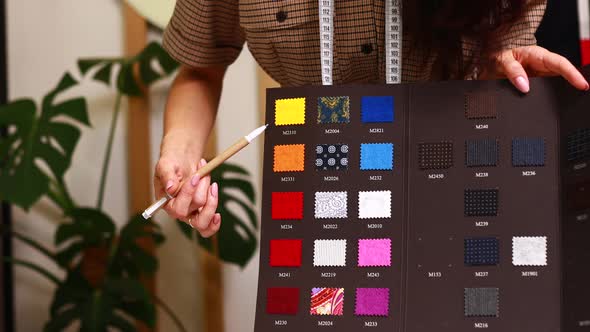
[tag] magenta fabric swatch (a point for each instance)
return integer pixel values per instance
(374, 252)
(372, 302)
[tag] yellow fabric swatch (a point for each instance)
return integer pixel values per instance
(289, 158)
(289, 111)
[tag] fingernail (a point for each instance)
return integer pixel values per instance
(214, 190)
(587, 87)
(203, 162)
(169, 184)
(522, 84)
(217, 219)
(195, 180)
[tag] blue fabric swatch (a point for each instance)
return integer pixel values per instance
(482, 152)
(378, 156)
(528, 151)
(377, 109)
(482, 251)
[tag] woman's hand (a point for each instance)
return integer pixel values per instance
(197, 199)
(520, 63)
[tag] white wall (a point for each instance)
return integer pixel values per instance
(45, 38)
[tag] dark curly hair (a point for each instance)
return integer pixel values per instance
(440, 25)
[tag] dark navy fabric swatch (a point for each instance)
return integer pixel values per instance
(528, 151)
(481, 202)
(330, 157)
(578, 145)
(482, 152)
(377, 109)
(482, 251)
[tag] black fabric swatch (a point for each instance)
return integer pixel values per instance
(527, 151)
(578, 145)
(483, 152)
(435, 155)
(482, 251)
(331, 157)
(482, 302)
(481, 202)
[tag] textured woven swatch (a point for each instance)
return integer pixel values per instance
(481, 202)
(289, 111)
(435, 155)
(285, 253)
(480, 106)
(482, 251)
(331, 204)
(377, 109)
(483, 152)
(372, 302)
(578, 145)
(527, 151)
(289, 158)
(377, 156)
(287, 205)
(333, 110)
(331, 157)
(374, 204)
(329, 253)
(482, 302)
(282, 301)
(327, 301)
(374, 252)
(529, 251)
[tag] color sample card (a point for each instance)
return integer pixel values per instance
(423, 207)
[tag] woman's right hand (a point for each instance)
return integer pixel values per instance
(197, 199)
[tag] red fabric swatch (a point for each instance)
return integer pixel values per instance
(287, 206)
(282, 301)
(285, 253)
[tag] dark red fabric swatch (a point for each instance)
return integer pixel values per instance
(285, 253)
(287, 206)
(282, 301)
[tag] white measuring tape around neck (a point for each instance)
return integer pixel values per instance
(393, 40)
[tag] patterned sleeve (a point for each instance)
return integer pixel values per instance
(522, 32)
(204, 33)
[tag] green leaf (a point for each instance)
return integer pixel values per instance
(185, 229)
(126, 82)
(91, 225)
(38, 137)
(84, 65)
(122, 324)
(64, 257)
(59, 322)
(243, 186)
(104, 74)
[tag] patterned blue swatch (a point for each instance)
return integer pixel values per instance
(482, 152)
(378, 156)
(377, 109)
(528, 151)
(482, 251)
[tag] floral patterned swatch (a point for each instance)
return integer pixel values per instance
(327, 301)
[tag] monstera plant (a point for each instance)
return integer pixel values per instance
(102, 264)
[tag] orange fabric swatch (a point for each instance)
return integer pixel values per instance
(289, 158)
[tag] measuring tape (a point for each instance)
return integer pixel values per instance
(393, 40)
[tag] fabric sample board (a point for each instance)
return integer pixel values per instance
(456, 206)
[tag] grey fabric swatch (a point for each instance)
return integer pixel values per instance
(481, 302)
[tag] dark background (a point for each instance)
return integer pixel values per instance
(558, 33)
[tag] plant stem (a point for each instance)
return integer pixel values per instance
(170, 313)
(107, 156)
(59, 195)
(33, 267)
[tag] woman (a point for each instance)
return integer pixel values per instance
(443, 39)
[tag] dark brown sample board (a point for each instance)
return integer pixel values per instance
(453, 206)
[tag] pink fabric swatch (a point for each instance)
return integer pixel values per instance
(372, 302)
(374, 252)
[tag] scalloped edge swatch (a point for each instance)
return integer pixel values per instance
(331, 205)
(374, 252)
(374, 204)
(287, 205)
(285, 252)
(282, 300)
(524, 146)
(342, 114)
(289, 111)
(529, 251)
(329, 303)
(370, 302)
(476, 295)
(329, 253)
(289, 158)
(373, 156)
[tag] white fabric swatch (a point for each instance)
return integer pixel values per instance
(329, 253)
(374, 204)
(529, 251)
(331, 205)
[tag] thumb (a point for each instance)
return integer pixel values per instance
(168, 177)
(514, 71)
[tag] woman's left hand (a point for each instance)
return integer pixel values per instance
(520, 63)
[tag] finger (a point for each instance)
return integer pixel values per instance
(514, 71)
(200, 196)
(181, 203)
(213, 226)
(560, 65)
(168, 176)
(205, 216)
